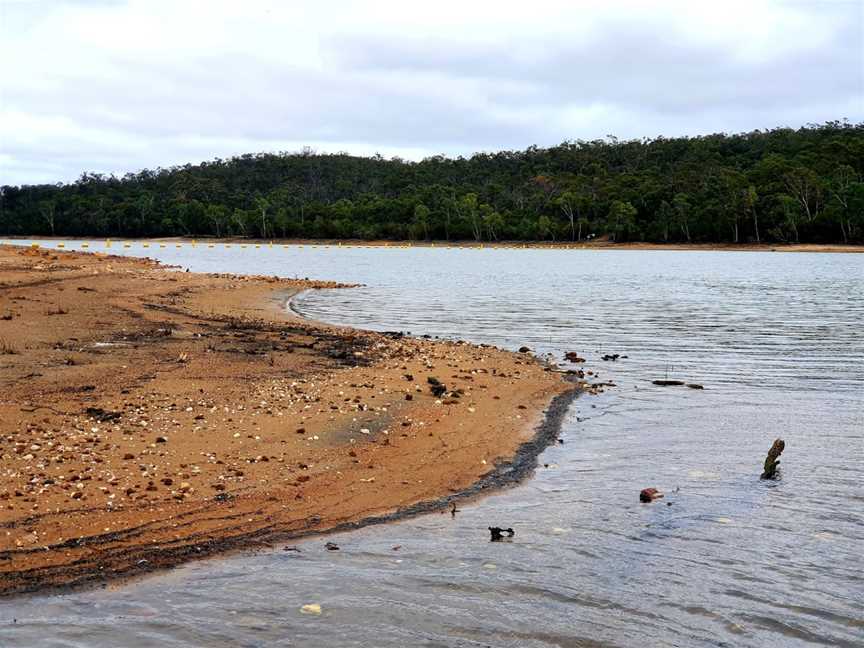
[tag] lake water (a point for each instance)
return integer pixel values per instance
(777, 339)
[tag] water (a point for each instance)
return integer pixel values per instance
(776, 339)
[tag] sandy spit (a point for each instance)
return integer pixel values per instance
(150, 417)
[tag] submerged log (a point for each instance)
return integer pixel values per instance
(772, 461)
(667, 383)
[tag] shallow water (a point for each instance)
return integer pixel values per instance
(776, 338)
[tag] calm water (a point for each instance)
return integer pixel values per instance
(777, 340)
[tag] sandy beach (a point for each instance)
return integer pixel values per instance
(151, 416)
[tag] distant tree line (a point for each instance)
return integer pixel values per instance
(782, 185)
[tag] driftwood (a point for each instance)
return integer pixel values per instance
(772, 461)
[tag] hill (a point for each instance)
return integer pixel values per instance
(781, 185)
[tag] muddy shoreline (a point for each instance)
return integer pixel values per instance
(152, 417)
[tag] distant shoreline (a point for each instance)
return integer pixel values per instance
(593, 245)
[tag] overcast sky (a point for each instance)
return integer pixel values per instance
(116, 86)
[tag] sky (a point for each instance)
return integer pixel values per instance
(116, 86)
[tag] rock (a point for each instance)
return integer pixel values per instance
(610, 356)
(772, 461)
(101, 415)
(524, 349)
(161, 439)
(311, 608)
(331, 546)
(649, 494)
(497, 533)
(438, 389)
(572, 356)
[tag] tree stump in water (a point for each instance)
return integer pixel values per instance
(772, 461)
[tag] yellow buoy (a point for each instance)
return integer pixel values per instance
(61, 245)
(85, 245)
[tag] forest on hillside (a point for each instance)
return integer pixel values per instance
(781, 185)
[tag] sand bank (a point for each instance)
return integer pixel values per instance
(150, 416)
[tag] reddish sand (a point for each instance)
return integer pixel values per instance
(150, 416)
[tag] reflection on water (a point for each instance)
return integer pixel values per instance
(723, 560)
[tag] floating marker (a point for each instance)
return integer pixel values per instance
(85, 245)
(61, 245)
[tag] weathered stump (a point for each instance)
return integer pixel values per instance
(772, 461)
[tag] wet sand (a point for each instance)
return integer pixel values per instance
(150, 416)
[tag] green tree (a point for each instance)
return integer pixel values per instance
(621, 219)
(421, 220)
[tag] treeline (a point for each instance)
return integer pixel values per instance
(783, 185)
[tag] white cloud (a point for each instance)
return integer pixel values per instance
(115, 86)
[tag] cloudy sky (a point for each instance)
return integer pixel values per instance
(116, 86)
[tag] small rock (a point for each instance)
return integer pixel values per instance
(649, 494)
(311, 608)
(497, 533)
